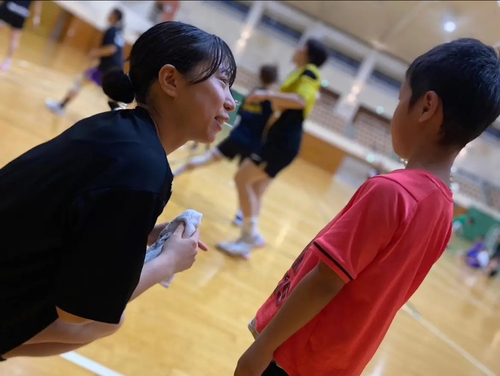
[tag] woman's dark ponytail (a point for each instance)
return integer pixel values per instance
(117, 86)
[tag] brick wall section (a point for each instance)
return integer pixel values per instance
(373, 131)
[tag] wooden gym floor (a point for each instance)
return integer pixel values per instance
(198, 326)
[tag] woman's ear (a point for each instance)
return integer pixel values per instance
(167, 80)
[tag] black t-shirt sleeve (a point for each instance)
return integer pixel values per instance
(104, 250)
(109, 37)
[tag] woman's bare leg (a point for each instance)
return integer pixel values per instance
(15, 37)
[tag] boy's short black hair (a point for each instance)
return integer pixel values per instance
(317, 52)
(465, 74)
(268, 74)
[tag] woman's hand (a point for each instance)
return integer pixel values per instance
(155, 233)
(93, 54)
(179, 253)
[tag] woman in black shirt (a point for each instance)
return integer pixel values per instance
(93, 195)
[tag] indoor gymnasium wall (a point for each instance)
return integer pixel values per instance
(268, 45)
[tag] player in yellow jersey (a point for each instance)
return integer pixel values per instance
(292, 105)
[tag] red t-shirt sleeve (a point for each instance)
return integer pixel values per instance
(364, 228)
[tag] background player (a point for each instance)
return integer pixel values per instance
(14, 14)
(477, 256)
(246, 136)
(110, 56)
(292, 105)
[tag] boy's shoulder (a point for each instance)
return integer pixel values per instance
(418, 184)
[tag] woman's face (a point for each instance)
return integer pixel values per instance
(205, 107)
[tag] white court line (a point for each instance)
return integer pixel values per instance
(89, 365)
(455, 346)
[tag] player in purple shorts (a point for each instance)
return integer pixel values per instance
(110, 56)
(94, 75)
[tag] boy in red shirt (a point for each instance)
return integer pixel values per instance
(330, 312)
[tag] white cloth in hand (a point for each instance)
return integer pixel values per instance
(191, 220)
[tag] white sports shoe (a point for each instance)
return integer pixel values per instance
(54, 106)
(6, 65)
(243, 246)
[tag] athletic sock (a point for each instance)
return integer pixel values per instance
(250, 226)
(64, 102)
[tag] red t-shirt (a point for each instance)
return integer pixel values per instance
(382, 244)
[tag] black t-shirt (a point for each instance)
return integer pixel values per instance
(75, 214)
(113, 36)
(253, 121)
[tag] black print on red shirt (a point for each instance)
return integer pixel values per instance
(282, 290)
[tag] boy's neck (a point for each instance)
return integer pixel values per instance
(437, 162)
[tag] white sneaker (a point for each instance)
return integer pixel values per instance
(6, 65)
(259, 241)
(243, 246)
(235, 249)
(54, 106)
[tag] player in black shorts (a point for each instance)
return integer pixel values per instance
(246, 137)
(14, 14)
(94, 194)
(110, 56)
(292, 105)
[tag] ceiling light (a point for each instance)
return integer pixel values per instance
(450, 26)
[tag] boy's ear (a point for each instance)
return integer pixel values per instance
(431, 104)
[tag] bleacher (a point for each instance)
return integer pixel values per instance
(373, 132)
(323, 114)
(494, 196)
